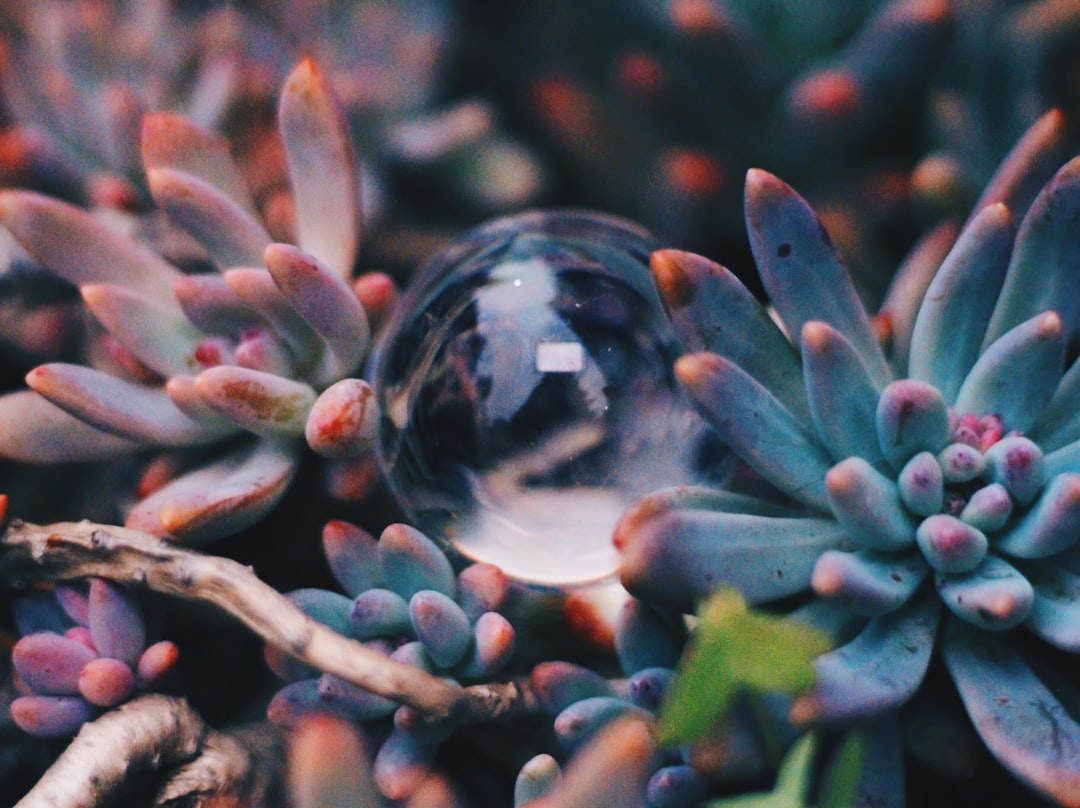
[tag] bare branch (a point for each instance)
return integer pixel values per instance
(83, 549)
(244, 764)
(149, 733)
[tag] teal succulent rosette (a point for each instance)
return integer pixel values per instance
(920, 470)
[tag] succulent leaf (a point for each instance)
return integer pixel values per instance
(537, 777)
(34, 430)
(327, 304)
(1028, 165)
(50, 716)
(352, 555)
(867, 504)
(802, 271)
(877, 671)
(49, 664)
(1045, 259)
(412, 562)
(116, 625)
(263, 403)
(842, 398)
(704, 300)
(995, 595)
(171, 141)
(322, 168)
(212, 306)
(951, 323)
(868, 583)
(1035, 350)
(235, 491)
(159, 336)
(1021, 721)
(379, 613)
(83, 250)
(677, 556)
(742, 411)
(911, 418)
(1049, 526)
(135, 411)
(230, 233)
(1055, 615)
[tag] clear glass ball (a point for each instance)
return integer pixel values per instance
(527, 394)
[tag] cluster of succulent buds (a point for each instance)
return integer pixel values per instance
(404, 599)
(85, 649)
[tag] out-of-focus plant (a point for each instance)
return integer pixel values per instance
(249, 359)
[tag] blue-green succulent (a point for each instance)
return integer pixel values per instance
(916, 478)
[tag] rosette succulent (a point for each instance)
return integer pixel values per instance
(919, 473)
(249, 358)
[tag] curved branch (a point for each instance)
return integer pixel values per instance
(68, 550)
(149, 733)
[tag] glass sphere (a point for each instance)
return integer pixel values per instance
(527, 394)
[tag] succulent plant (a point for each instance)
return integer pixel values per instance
(403, 598)
(84, 649)
(926, 488)
(77, 100)
(246, 358)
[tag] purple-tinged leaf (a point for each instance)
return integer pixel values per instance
(260, 349)
(33, 430)
(159, 337)
(676, 786)
(559, 684)
(877, 671)
(441, 625)
(354, 702)
(649, 687)
(379, 613)
(842, 398)
(156, 662)
(83, 250)
(212, 306)
(295, 701)
(116, 622)
(951, 323)
(49, 664)
(1049, 526)
(647, 636)
(141, 413)
(908, 292)
(1028, 165)
(233, 492)
(401, 765)
(1045, 259)
(583, 719)
(326, 302)
(802, 271)
(74, 599)
(258, 290)
(170, 141)
(712, 311)
(322, 168)
(352, 555)
(1019, 465)
(870, 584)
(36, 611)
(995, 596)
(950, 545)
(1033, 351)
(491, 649)
(50, 716)
(678, 556)
(757, 426)
(106, 682)
(183, 392)
(262, 403)
(412, 562)
(482, 587)
(1021, 721)
(344, 420)
(911, 418)
(231, 235)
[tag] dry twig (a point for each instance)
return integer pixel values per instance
(70, 550)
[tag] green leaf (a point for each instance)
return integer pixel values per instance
(840, 781)
(735, 650)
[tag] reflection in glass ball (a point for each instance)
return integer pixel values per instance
(527, 394)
